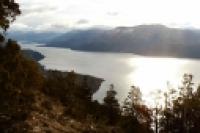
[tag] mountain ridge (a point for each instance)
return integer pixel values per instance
(147, 40)
(153, 40)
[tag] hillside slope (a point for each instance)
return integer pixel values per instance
(154, 40)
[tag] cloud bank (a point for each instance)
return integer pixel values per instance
(64, 14)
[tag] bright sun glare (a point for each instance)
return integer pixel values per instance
(154, 74)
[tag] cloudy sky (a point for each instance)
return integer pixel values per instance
(61, 15)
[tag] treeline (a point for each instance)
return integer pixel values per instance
(20, 78)
(181, 111)
(23, 80)
(26, 91)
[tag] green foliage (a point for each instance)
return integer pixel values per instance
(138, 115)
(74, 95)
(183, 115)
(19, 79)
(112, 108)
(132, 125)
(9, 9)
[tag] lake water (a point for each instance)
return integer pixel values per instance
(121, 69)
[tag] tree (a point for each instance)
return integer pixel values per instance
(84, 92)
(111, 105)
(9, 9)
(156, 110)
(183, 115)
(166, 115)
(133, 102)
(136, 112)
(20, 79)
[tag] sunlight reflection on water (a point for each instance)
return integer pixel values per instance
(153, 74)
(123, 70)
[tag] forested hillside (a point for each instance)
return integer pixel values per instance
(33, 100)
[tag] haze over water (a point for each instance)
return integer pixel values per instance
(122, 69)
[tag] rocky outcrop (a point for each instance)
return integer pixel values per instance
(93, 83)
(33, 55)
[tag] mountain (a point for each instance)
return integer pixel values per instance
(32, 36)
(154, 40)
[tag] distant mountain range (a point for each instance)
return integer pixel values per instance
(31, 36)
(153, 40)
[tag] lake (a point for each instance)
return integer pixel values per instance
(121, 69)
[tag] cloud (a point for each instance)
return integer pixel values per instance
(82, 21)
(52, 27)
(20, 27)
(39, 28)
(40, 14)
(37, 9)
(112, 13)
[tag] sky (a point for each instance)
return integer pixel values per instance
(61, 15)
